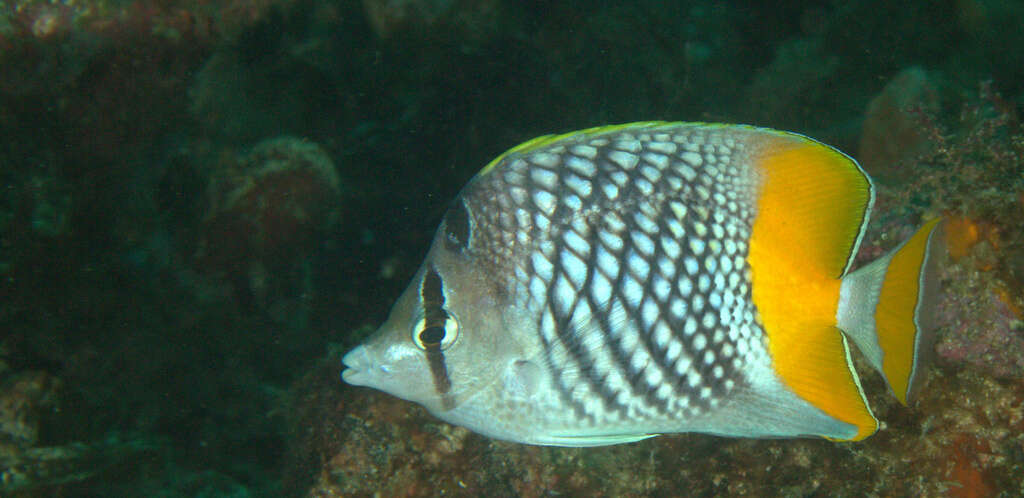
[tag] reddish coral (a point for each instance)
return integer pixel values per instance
(969, 478)
(963, 233)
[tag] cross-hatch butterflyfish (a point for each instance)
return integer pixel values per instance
(620, 282)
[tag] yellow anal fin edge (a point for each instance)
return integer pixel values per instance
(820, 370)
(903, 318)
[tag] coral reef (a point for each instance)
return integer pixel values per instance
(168, 268)
(35, 471)
(30, 400)
(975, 175)
(365, 442)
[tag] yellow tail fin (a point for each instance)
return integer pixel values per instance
(886, 308)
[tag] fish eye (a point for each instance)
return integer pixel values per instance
(446, 335)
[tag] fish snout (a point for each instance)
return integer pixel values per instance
(359, 366)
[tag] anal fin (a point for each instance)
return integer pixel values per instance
(592, 440)
(813, 360)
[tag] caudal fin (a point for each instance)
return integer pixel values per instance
(887, 309)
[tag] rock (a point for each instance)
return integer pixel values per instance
(893, 131)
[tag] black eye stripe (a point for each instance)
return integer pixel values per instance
(434, 317)
(457, 227)
(432, 289)
(432, 294)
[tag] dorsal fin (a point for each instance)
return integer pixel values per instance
(546, 140)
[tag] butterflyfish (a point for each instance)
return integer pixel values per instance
(616, 283)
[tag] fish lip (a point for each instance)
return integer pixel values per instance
(354, 377)
(358, 364)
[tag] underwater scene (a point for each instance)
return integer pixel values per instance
(511, 248)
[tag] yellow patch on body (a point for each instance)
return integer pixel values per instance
(811, 206)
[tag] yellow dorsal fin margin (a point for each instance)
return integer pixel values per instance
(811, 209)
(545, 140)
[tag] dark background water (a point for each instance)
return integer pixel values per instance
(203, 203)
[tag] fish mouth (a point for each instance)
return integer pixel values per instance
(358, 365)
